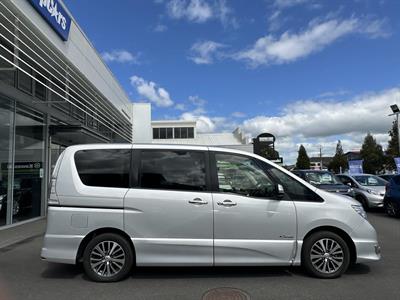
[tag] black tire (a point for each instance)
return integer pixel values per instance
(363, 202)
(334, 270)
(392, 209)
(103, 241)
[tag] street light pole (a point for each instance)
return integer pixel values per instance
(396, 112)
(398, 132)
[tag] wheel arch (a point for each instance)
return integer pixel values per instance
(343, 234)
(99, 231)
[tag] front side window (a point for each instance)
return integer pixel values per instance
(104, 168)
(370, 180)
(173, 170)
(318, 178)
(241, 175)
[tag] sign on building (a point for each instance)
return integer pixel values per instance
(55, 15)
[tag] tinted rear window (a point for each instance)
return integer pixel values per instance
(173, 170)
(104, 168)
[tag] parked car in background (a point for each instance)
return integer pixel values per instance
(391, 202)
(369, 189)
(116, 206)
(22, 197)
(325, 180)
(387, 177)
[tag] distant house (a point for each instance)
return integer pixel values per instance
(315, 162)
(353, 155)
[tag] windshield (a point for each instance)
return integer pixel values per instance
(322, 178)
(370, 180)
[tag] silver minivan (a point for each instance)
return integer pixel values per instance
(112, 207)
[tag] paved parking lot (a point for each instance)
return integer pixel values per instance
(24, 276)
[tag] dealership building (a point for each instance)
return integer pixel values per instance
(55, 91)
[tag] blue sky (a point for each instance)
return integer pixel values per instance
(307, 71)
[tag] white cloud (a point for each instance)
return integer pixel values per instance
(152, 92)
(238, 114)
(205, 52)
(180, 106)
(201, 11)
(120, 56)
(198, 11)
(160, 28)
(225, 14)
(315, 123)
(203, 123)
(319, 34)
(289, 3)
(275, 20)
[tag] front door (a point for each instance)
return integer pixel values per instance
(251, 225)
(169, 215)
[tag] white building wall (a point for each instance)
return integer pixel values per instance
(80, 52)
(142, 131)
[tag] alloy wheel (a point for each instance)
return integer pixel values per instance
(326, 256)
(107, 258)
(390, 209)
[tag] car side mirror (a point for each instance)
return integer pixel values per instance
(280, 191)
(349, 184)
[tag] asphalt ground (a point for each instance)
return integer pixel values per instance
(23, 275)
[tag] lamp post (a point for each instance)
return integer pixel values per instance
(396, 111)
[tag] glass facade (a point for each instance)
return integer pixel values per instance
(6, 138)
(22, 163)
(46, 104)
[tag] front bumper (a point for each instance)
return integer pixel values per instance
(367, 250)
(375, 200)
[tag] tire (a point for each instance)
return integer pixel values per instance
(108, 257)
(391, 209)
(363, 201)
(327, 266)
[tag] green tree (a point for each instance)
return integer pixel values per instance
(393, 146)
(339, 161)
(303, 161)
(372, 154)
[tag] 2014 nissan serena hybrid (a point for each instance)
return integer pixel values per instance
(113, 207)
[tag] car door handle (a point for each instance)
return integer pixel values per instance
(227, 203)
(198, 201)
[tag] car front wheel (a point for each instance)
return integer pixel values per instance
(108, 257)
(391, 209)
(325, 255)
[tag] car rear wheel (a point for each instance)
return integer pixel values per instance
(107, 258)
(325, 255)
(391, 209)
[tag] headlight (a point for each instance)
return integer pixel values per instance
(360, 210)
(372, 192)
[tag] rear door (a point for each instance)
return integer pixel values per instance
(169, 213)
(251, 225)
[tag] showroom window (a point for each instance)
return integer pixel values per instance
(104, 168)
(6, 141)
(173, 133)
(29, 165)
(173, 170)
